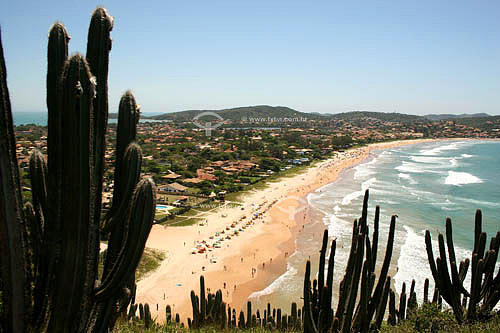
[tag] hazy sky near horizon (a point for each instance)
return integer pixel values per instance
(413, 57)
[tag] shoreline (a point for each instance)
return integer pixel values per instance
(255, 258)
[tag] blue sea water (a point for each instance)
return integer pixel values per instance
(422, 184)
(25, 118)
(40, 118)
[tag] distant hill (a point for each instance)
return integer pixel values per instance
(383, 116)
(245, 113)
(485, 123)
(456, 116)
(359, 118)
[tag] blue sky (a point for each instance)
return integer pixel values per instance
(414, 57)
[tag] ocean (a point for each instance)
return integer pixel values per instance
(422, 184)
(40, 118)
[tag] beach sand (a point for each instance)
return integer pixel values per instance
(250, 261)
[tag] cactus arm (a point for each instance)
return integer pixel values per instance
(354, 284)
(12, 249)
(203, 301)
(457, 283)
(38, 225)
(38, 178)
(375, 237)
(33, 240)
(360, 318)
(130, 177)
(401, 314)
(464, 267)
(430, 256)
(249, 315)
(385, 269)
(98, 48)
(196, 309)
(383, 304)
(325, 313)
(369, 254)
(364, 213)
(321, 271)
(77, 89)
(329, 276)
(309, 325)
(392, 308)
(140, 222)
(477, 229)
(128, 115)
(449, 241)
(344, 284)
(57, 54)
(444, 273)
(426, 291)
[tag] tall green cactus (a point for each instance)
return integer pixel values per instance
(358, 303)
(49, 249)
(485, 287)
(209, 308)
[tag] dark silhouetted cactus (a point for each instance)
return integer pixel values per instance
(209, 308)
(358, 302)
(49, 251)
(484, 292)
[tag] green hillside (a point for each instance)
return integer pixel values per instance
(245, 113)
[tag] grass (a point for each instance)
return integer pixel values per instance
(429, 318)
(150, 261)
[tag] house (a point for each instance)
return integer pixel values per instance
(172, 188)
(205, 176)
(192, 180)
(171, 175)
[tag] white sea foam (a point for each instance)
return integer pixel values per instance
(428, 163)
(365, 169)
(354, 195)
(478, 203)
(466, 156)
(288, 275)
(351, 196)
(428, 159)
(409, 167)
(413, 262)
(461, 178)
(366, 184)
(363, 172)
(437, 150)
(408, 178)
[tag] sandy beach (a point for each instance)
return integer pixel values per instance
(266, 223)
